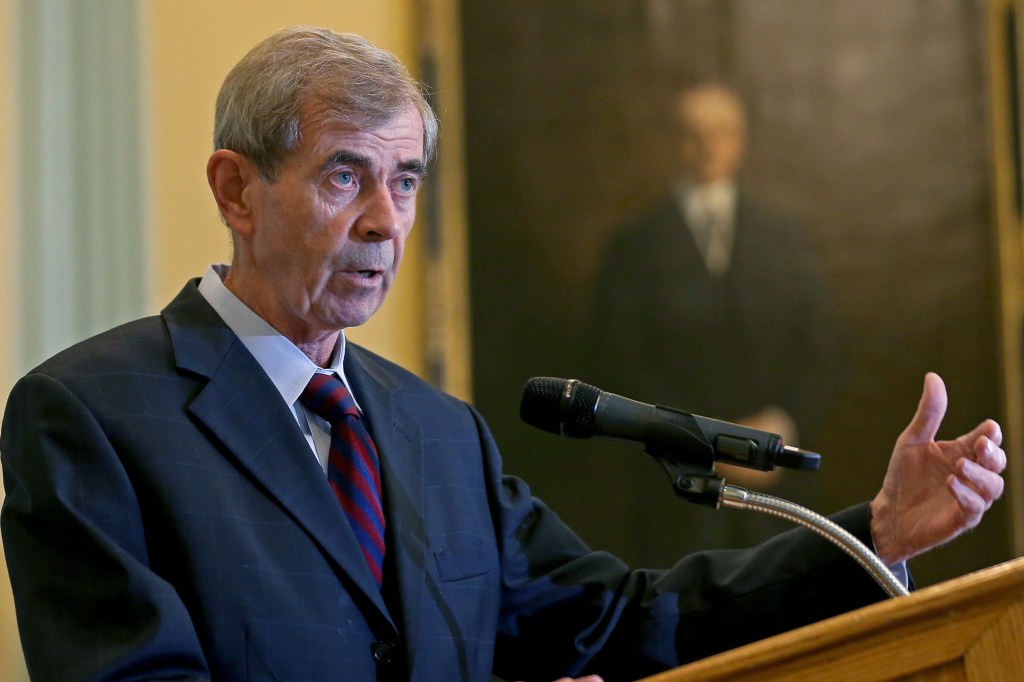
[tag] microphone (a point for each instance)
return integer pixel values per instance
(571, 408)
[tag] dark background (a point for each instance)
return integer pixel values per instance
(868, 121)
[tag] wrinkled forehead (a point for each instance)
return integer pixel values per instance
(317, 112)
(397, 143)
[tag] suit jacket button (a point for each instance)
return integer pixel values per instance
(384, 653)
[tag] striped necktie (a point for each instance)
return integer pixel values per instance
(353, 466)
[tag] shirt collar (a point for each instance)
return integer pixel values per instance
(721, 194)
(288, 367)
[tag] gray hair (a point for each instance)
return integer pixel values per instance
(260, 104)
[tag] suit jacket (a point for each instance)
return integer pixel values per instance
(725, 345)
(165, 519)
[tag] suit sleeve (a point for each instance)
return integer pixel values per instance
(568, 610)
(89, 607)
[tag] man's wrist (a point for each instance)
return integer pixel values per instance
(883, 530)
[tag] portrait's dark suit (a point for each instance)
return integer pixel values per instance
(166, 519)
(665, 330)
(723, 345)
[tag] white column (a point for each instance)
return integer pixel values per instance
(79, 233)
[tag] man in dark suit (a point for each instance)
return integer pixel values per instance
(709, 300)
(173, 510)
(729, 302)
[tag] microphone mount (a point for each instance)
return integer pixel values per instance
(687, 447)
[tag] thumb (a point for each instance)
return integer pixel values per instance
(930, 411)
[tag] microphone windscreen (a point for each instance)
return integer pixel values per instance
(540, 403)
(561, 406)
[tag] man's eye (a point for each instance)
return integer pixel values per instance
(344, 178)
(407, 185)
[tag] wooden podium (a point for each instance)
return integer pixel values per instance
(970, 628)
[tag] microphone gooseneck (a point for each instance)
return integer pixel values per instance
(740, 498)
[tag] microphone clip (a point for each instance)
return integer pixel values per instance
(693, 480)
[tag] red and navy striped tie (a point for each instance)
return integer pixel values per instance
(353, 466)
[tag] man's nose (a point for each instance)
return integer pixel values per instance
(379, 220)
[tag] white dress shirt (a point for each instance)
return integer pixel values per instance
(710, 213)
(288, 367)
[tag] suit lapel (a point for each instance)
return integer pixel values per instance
(243, 410)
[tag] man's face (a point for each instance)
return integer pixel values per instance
(711, 135)
(328, 236)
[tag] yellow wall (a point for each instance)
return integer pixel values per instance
(452, 329)
(192, 44)
(7, 191)
(11, 666)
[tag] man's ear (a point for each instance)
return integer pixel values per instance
(230, 174)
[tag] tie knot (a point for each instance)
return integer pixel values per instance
(328, 398)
